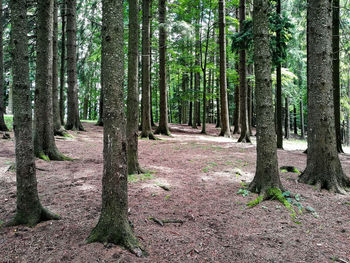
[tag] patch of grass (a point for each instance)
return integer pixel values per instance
(133, 178)
(213, 164)
(89, 121)
(256, 201)
(167, 197)
(9, 121)
(205, 169)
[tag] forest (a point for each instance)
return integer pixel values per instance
(174, 131)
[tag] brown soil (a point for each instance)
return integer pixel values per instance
(204, 174)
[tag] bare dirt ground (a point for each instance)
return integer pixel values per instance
(204, 174)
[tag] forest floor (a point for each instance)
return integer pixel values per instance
(203, 174)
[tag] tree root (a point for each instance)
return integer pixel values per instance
(166, 221)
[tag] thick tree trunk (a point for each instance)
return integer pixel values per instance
(146, 72)
(44, 141)
(132, 126)
(163, 103)
(113, 225)
(287, 119)
(267, 172)
(244, 137)
(63, 60)
(3, 126)
(279, 85)
(323, 165)
(29, 210)
(73, 120)
(225, 121)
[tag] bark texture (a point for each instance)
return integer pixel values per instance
(163, 97)
(63, 59)
(73, 120)
(287, 119)
(146, 72)
(29, 210)
(279, 86)
(3, 126)
(225, 124)
(113, 225)
(44, 141)
(267, 172)
(323, 165)
(132, 126)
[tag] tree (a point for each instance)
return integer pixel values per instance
(3, 126)
(132, 126)
(225, 125)
(243, 100)
(63, 59)
(279, 83)
(266, 175)
(163, 103)
(29, 210)
(287, 119)
(73, 120)
(113, 225)
(44, 141)
(323, 165)
(146, 76)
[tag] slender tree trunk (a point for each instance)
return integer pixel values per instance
(244, 137)
(218, 115)
(302, 127)
(236, 117)
(336, 74)
(29, 210)
(73, 120)
(113, 225)
(190, 119)
(279, 85)
(204, 101)
(163, 103)
(146, 72)
(3, 126)
(295, 120)
(150, 63)
(323, 165)
(44, 141)
(287, 119)
(267, 172)
(63, 60)
(225, 121)
(196, 119)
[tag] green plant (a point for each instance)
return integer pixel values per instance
(256, 201)
(243, 192)
(139, 177)
(9, 121)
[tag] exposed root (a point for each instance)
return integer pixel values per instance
(166, 221)
(244, 138)
(161, 130)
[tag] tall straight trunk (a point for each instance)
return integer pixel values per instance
(236, 114)
(204, 101)
(323, 167)
(63, 60)
(113, 225)
(55, 101)
(3, 126)
(101, 99)
(336, 74)
(190, 113)
(295, 126)
(150, 63)
(225, 120)
(250, 99)
(218, 115)
(73, 120)
(244, 137)
(287, 119)
(146, 72)
(196, 120)
(302, 126)
(44, 141)
(279, 85)
(163, 103)
(132, 126)
(29, 210)
(267, 172)
(184, 101)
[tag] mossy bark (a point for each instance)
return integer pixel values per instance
(113, 225)
(267, 172)
(29, 210)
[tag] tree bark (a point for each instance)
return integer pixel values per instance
(267, 172)
(73, 120)
(190, 114)
(287, 119)
(132, 126)
(244, 137)
(279, 85)
(302, 126)
(295, 126)
(29, 209)
(113, 225)
(163, 103)
(44, 140)
(63, 60)
(323, 165)
(225, 121)
(236, 117)
(3, 126)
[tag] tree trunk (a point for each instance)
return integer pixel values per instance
(146, 84)
(163, 103)
(302, 127)
(243, 83)
(73, 120)
(132, 126)
(225, 121)
(63, 60)
(267, 172)
(287, 119)
(204, 101)
(236, 117)
(113, 225)
(279, 84)
(29, 209)
(336, 74)
(323, 165)
(190, 114)
(44, 141)
(295, 120)
(3, 126)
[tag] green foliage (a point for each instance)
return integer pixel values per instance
(9, 121)
(133, 178)
(256, 201)
(243, 192)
